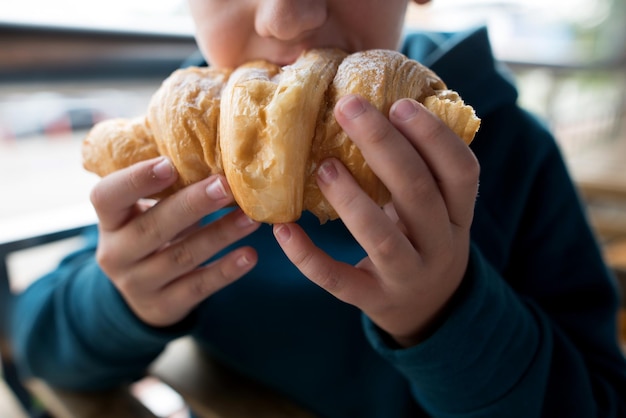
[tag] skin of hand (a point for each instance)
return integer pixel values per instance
(152, 253)
(418, 247)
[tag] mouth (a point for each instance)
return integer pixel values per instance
(288, 57)
(285, 63)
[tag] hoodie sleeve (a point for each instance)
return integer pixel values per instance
(499, 354)
(76, 317)
(532, 332)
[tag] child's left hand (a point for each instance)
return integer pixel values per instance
(418, 246)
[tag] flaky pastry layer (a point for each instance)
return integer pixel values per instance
(267, 128)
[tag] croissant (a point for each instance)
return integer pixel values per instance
(266, 127)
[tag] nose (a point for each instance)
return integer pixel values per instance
(288, 20)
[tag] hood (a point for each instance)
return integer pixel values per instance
(465, 62)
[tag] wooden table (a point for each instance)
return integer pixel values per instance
(210, 389)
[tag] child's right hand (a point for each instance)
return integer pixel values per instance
(152, 254)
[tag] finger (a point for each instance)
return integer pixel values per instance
(186, 254)
(196, 286)
(400, 167)
(173, 302)
(115, 196)
(454, 166)
(163, 222)
(373, 229)
(342, 280)
(391, 213)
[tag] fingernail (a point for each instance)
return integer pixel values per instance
(244, 221)
(327, 172)
(282, 233)
(351, 107)
(163, 169)
(404, 109)
(216, 189)
(243, 261)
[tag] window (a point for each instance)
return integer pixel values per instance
(152, 16)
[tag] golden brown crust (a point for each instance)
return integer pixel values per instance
(449, 107)
(381, 77)
(269, 116)
(267, 128)
(183, 116)
(117, 143)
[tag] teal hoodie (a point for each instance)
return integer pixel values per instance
(531, 331)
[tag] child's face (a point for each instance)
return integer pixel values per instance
(231, 32)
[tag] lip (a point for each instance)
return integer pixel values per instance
(284, 63)
(289, 57)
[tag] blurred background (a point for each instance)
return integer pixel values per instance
(66, 64)
(568, 57)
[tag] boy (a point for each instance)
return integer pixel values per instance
(449, 302)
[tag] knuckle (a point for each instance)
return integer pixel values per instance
(225, 230)
(205, 281)
(346, 200)
(329, 281)
(182, 255)
(97, 197)
(187, 206)
(468, 171)
(322, 273)
(147, 226)
(424, 186)
(379, 133)
(472, 168)
(437, 126)
(158, 311)
(135, 179)
(422, 189)
(432, 128)
(304, 260)
(233, 266)
(201, 285)
(387, 246)
(226, 272)
(105, 258)
(123, 284)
